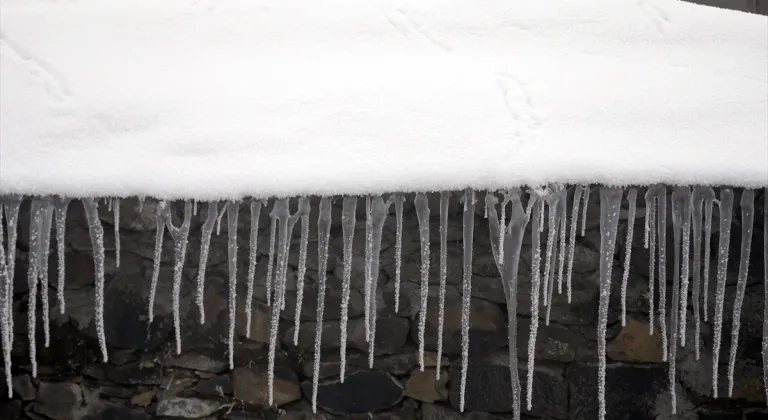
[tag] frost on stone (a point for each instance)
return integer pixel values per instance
(271, 257)
(348, 218)
(765, 293)
(302, 271)
(535, 285)
(323, 233)
(466, 285)
(632, 199)
(180, 236)
(681, 216)
(159, 235)
(444, 197)
(115, 203)
(747, 221)
(252, 253)
(700, 195)
(398, 199)
(232, 213)
(512, 234)
(725, 205)
(572, 240)
(60, 209)
(610, 206)
(379, 211)
(205, 248)
(43, 255)
(422, 213)
(97, 242)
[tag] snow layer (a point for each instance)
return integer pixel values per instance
(213, 100)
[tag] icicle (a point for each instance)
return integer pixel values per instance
(205, 247)
(747, 221)
(218, 222)
(610, 206)
(535, 284)
(466, 284)
(4, 302)
(562, 210)
(398, 199)
(45, 248)
(271, 263)
(348, 217)
(60, 209)
(661, 225)
(35, 232)
(686, 266)
(368, 275)
(11, 209)
(232, 210)
(556, 215)
(97, 241)
(444, 197)
(696, 201)
(508, 269)
(141, 204)
(159, 234)
(194, 207)
(109, 203)
(252, 252)
(726, 211)
(502, 222)
(681, 214)
(324, 233)
(422, 212)
(116, 214)
(541, 216)
(180, 236)
(550, 201)
(708, 200)
(651, 198)
(632, 198)
(302, 271)
(572, 243)
(379, 211)
(647, 220)
(584, 210)
(765, 292)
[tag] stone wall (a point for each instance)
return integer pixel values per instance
(751, 6)
(145, 379)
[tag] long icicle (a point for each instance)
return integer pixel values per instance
(302, 269)
(562, 212)
(632, 199)
(726, 211)
(650, 220)
(661, 226)
(765, 293)
(97, 241)
(398, 199)
(681, 214)
(60, 208)
(11, 210)
(422, 212)
(444, 197)
(685, 269)
(535, 285)
(205, 247)
(697, 201)
(747, 222)
(708, 201)
(324, 234)
(159, 236)
(367, 276)
(180, 236)
(271, 257)
(610, 206)
(348, 218)
(4, 301)
(116, 224)
(584, 210)
(466, 284)
(252, 253)
(572, 243)
(45, 247)
(35, 231)
(557, 213)
(551, 201)
(232, 213)
(379, 211)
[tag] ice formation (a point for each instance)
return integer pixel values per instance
(180, 236)
(60, 208)
(398, 199)
(536, 221)
(252, 253)
(466, 287)
(302, 271)
(205, 246)
(348, 218)
(232, 209)
(701, 195)
(632, 199)
(97, 242)
(422, 212)
(444, 197)
(379, 211)
(725, 204)
(324, 234)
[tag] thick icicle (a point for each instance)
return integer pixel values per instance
(572, 243)
(632, 199)
(323, 236)
(205, 247)
(35, 231)
(502, 221)
(45, 248)
(708, 201)
(302, 269)
(180, 236)
(508, 269)
(159, 235)
(726, 211)
(765, 292)
(379, 211)
(232, 210)
(535, 285)
(685, 269)
(60, 208)
(252, 252)
(116, 224)
(444, 197)
(422, 212)
(11, 210)
(348, 217)
(97, 241)
(747, 222)
(367, 276)
(681, 215)
(610, 206)
(584, 210)
(466, 285)
(398, 199)
(271, 262)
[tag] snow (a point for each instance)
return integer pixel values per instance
(175, 100)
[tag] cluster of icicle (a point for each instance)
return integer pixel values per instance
(507, 219)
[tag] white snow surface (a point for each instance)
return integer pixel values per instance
(214, 100)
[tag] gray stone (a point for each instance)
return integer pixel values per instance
(59, 400)
(488, 288)
(217, 386)
(333, 299)
(361, 392)
(116, 412)
(410, 299)
(10, 410)
(23, 387)
(424, 386)
(556, 342)
(391, 334)
(78, 305)
(136, 374)
(250, 386)
(197, 361)
(188, 408)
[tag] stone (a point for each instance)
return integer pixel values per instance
(424, 386)
(188, 408)
(117, 412)
(556, 342)
(79, 271)
(136, 374)
(217, 386)
(719, 415)
(10, 410)
(361, 392)
(410, 299)
(250, 385)
(332, 308)
(488, 288)
(78, 305)
(198, 362)
(143, 399)
(411, 267)
(59, 400)
(634, 344)
(115, 392)
(23, 387)
(260, 324)
(391, 334)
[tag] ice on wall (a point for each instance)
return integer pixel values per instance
(324, 234)
(205, 246)
(466, 286)
(422, 213)
(725, 204)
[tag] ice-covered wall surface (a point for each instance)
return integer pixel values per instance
(145, 377)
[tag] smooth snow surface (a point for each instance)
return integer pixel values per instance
(228, 99)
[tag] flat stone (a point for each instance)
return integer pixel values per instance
(188, 408)
(361, 392)
(23, 388)
(634, 344)
(136, 374)
(250, 385)
(196, 361)
(391, 334)
(333, 298)
(424, 386)
(410, 299)
(488, 288)
(556, 342)
(59, 400)
(78, 305)
(217, 386)
(260, 320)
(117, 412)
(115, 392)
(143, 399)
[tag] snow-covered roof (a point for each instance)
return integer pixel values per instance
(208, 100)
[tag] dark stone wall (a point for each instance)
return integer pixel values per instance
(145, 378)
(759, 7)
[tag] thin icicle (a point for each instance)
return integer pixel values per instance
(194, 207)
(696, 215)
(710, 198)
(685, 269)
(572, 243)
(218, 222)
(45, 248)
(535, 285)
(765, 292)
(368, 275)
(650, 217)
(60, 208)
(398, 199)
(205, 247)
(551, 201)
(422, 212)
(271, 262)
(610, 206)
(661, 226)
(180, 236)
(584, 210)
(4, 302)
(632, 199)
(747, 221)
(97, 241)
(726, 211)
(323, 233)
(556, 215)
(466, 284)
(379, 211)
(35, 231)
(109, 203)
(302, 271)
(541, 216)
(348, 217)
(232, 210)
(159, 234)
(502, 222)
(444, 197)
(647, 220)
(11, 210)
(562, 210)
(681, 215)
(116, 214)
(252, 252)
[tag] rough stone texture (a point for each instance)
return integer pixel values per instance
(424, 386)
(250, 386)
(188, 408)
(361, 392)
(59, 401)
